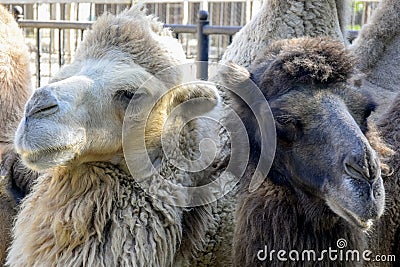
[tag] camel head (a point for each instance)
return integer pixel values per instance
(321, 126)
(78, 117)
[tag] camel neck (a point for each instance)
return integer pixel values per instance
(273, 218)
(284, 20)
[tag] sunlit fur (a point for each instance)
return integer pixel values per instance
(86, 209)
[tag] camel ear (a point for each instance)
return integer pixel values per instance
(195, 98)
(232, 75)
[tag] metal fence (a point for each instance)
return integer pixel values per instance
(58, 43)
(202, 30)
(53, 42)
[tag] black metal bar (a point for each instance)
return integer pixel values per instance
(228, 30)
(180, 28)
(60, 48)
(176, 28)
(38, 56)
(202, 46)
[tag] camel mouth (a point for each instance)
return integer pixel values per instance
(352, 218)
(49, 157)
(363, 225)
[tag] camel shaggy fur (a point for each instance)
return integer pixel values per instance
(325, 182)
(15, 82)
(15, 89)
(86, 209)
(384, 239)
(377, 53)
(287, 19)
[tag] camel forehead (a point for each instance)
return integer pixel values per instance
(99, 78)
(311, 100)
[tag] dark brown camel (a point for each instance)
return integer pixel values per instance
(325, 182)
(384, 239)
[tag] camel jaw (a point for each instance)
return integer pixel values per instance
(47, 158)
(364, 224)
(43, 147)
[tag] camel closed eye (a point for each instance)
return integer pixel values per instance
(125, 96)
(286, 127)
(285, 119)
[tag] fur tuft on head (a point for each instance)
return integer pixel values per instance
(133, 35)
(319, 60)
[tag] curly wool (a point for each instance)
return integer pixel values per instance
(320, 61)
(310, 60)
(95, 214)
(384, 238)
(7, 214)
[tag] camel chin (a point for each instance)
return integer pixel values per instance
(359, 207)
(359, 203)
(52, 158)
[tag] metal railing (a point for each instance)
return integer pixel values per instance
(202, 30)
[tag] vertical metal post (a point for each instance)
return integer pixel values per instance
(202, 46)
(60, 48)
(38, 55)
(61, 36)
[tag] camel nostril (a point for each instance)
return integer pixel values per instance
(43, 103)
(354, 171)
(357, 169)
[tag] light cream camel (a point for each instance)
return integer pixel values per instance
(86, 209)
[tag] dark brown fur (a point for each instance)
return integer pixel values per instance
(289, 211)
(280, 218)
(385, 237)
